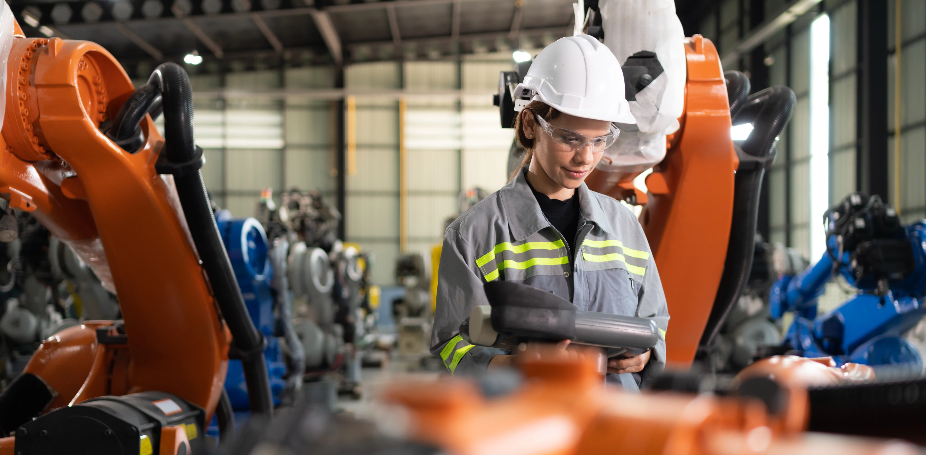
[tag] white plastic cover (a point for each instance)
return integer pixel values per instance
(6, 43)
(632, 26)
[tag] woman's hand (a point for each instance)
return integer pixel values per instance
(633, 364)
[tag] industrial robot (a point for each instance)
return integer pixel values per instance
(82, 155)
(885, 262)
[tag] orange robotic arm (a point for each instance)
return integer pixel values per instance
(121, 217)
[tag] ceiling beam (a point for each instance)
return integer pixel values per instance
(336, 94)
(455, 20)
(268, 34)
(762, 33)
(140, 42)
(557, 31)
(323, 22)
(393, 25)
(516, 20)
(200, 34)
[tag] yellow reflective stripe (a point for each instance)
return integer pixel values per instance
(614, 257)
(458, 356)
(485, 259)
(492, 276)
(509, 264)
(663, 332)
(603, 257)
(635, 253)
(606, 243)
(448, 348)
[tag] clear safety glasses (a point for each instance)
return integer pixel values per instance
(574, 141)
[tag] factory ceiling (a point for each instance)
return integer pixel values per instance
(246, 34)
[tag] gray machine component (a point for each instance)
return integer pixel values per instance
(413, 311)
(279, 255)
(311, 278)
(96, 302)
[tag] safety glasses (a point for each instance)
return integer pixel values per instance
(576, 141)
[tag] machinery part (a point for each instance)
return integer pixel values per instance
(885, 410)
(309, 271)
(520, 313)
(284, 303)
(24, 398)
(556, 77)
(179, 148)
(769, 111)
(248, 250)
(738, 88)
(136, 423)
(225, 417)
(96, 302)
(321, 348)
(749, 337)
(126, 130)
(19, 324)
(310, 428)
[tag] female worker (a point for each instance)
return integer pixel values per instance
(545, 228)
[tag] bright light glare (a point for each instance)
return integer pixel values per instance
(521, 56)
(47, 31)
(819, 132)
(193, 59)
(741, 132)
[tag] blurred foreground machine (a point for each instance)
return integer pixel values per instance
(700, 211)
(886, 262)
(81, 153)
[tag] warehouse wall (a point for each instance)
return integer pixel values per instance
(911, 201)
(787, 58)
(453, 142)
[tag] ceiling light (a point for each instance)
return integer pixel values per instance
(193, 59)
(521, 56)
(32, 16)
(47, 31)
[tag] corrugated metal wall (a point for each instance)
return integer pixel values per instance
(788, 61)
(912, 198)
(453, 142)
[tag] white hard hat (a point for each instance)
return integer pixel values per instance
(579, 76)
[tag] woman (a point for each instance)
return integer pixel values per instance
(546, 228)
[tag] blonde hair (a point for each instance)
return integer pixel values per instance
(535, 107)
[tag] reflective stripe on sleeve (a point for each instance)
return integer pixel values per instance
(663, 332)
(457, 354)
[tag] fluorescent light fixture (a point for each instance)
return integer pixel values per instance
(521, 56)
(193, 59)
(741, 132)
(819, 132)
(30, 18)
(47, 31)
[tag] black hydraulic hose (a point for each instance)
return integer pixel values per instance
(884, 410)
(769, 111)
(133, 111)
(738, 87)
(249, 343)
(225, 415)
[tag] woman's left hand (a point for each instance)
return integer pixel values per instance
(634, 364)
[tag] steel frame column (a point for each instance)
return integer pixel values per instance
(871, 111)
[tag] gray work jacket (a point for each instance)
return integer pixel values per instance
(506, 237)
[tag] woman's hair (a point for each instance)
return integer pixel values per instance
(535, 107)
